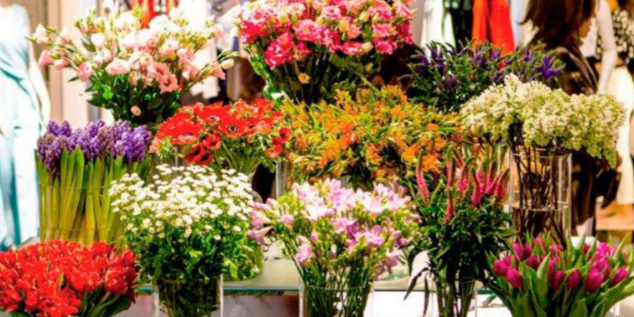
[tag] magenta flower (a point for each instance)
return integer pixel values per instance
(450, 209)
(500, 268)
(423, 189)
(314, 237)
(258, 220)
(304, 252)
(594, 281)
(533, 262)
(392, 259)
(574, 279)
(258, 235)
(514, 278)
(620, 275)
(287, 220)
(557, 279)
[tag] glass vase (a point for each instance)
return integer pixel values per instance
(81, 214)
(317, 301)
(540, 193)
(457, 299)
(197, 298)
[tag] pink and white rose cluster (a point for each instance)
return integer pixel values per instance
(116, 52)
(161, 55)
(330, 229)
(288, 31)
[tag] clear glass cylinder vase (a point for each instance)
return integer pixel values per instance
(317, 301)
(458, 299)
(197, 298)
(540, 194)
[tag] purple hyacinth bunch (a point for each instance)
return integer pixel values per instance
(96, 140)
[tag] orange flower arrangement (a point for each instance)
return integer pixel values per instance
(373, 136)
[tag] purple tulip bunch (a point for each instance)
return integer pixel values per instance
(339, 238)
(541, 278)
(95, 140)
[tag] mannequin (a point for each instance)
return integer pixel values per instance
(25, 106)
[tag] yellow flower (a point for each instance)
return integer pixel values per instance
(304, 78)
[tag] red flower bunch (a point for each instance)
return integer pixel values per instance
(58, 279)
(239, 136)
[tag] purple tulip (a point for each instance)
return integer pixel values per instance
(514, 278)
(557, 280)
(574, 279)
(500, 268)
(533, 262)
(602, 265)
(594, 281)
(620, 275)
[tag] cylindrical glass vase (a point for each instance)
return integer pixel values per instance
(78, 214)
(458, 299)
(316, 301)
(540, 193)
(190, 298)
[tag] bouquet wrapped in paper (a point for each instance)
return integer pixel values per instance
(137, 73)
(75, 170)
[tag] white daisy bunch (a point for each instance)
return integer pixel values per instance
(184, 214)
(532, 114)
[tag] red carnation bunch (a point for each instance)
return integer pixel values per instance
(59, 278)
(239, 136)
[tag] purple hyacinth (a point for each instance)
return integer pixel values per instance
(95, 140)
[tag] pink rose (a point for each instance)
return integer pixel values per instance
(353, 48)
(45, 59)
(353, 31)
(118, 67)
(331, 39)
(405, 31)
(84, 71)
(382, 30)
(381, 10)
(331, 13)
(146, 40)
(185, 55)
(301, 51)
(61, 63)
(402, 11)
(309, 31)
(384, 46)
(355, 6)
(169, 84)
(140, 60)
(279, 51)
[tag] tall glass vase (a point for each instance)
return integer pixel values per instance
(196, 298)
(317, 301)
(540, 192)
(457, 299)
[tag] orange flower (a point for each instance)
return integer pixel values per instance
(432, 127)
(411, 153)
(430, 163)
(373, 154)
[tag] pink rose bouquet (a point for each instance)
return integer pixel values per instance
(308, 49)
(139, 74)
(339, 239)
(541, 278)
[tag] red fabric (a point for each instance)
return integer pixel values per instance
(492, 22)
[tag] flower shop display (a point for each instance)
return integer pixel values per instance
(542, 278)
(240, 136)
(463, 222)
(137, 73)
(75, 169)
(307, 50)
(446, 77)
(63, 279)
(542, 127)
(367, 137)
(339, 239)
(186, 226)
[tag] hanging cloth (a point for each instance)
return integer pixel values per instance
(492, 22)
